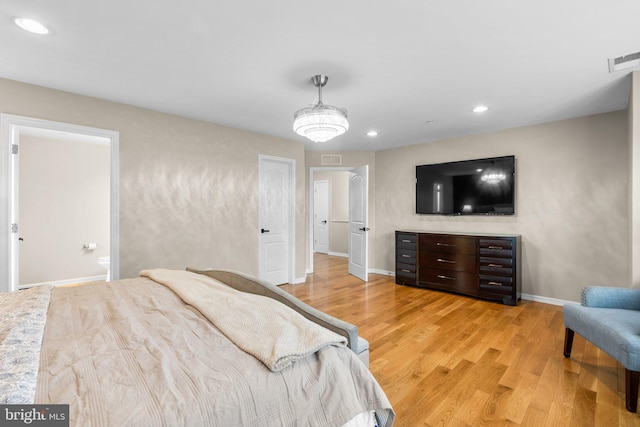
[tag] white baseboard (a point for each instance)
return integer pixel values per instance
(546, 300)
(66, 282)
(383, 272)
(299, 280)
(340, 254)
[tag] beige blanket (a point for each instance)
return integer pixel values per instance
(268, 330)
(132, 353)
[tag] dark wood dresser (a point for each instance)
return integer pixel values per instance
(483, 266)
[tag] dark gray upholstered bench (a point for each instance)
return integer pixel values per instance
(609, 318)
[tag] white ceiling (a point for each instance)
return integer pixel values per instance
(410, 69)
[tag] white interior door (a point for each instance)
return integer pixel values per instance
(276, 219)
(358, 220)
(321, 216)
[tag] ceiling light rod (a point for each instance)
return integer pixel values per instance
(319, 80)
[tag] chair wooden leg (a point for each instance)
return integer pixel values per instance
(568, 342)
(631, 380)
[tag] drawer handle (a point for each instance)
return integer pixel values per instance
(405, 256)
(495, 247)
(440, 276)
(406, 271)
(406, 241)
(495, 283)
(495, 265)
(445, 260)
(445, 244)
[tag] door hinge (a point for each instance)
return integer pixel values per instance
(14, 228)
(14, 148)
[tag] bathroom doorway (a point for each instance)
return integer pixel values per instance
(62, 196)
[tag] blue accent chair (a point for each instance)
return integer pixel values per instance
(609, 318)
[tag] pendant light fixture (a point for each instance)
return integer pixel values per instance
(320, 122)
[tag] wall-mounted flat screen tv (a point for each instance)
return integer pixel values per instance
(471, 187)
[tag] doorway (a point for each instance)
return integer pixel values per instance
(17, 130)
(342, 241)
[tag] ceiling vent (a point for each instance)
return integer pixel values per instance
(331, 160)
(624, 62)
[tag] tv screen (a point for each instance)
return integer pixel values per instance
(471, 187)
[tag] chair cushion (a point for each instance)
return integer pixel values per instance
(613, 330)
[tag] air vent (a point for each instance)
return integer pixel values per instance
(624, 62)
(331, 160)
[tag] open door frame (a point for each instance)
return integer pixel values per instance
(9, 135)
(312, 171)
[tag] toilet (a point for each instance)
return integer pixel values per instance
(105, 262)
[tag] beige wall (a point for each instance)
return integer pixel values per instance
(188, 189)
(571, 200)
(338, 209)
(64, 203)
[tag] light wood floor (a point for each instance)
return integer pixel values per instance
(450, 360)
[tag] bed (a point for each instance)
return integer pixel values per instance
(188, 348)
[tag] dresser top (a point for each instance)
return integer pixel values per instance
(458, 233)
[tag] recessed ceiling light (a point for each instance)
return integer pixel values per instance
(480, 109)
(31, 26)
(372, 133)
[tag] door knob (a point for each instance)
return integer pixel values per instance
(324, 222)
(364, 229)
(262, 230)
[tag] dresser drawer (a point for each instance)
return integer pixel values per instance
(405, 274)
(496, 266)
(406, 268)
(406, 256)
(450, 280)
(448, 244)
(499, 248)
(406, 241)
(447, 261)
(496, 243)
(406, 237)
(495, 285)
(491, 280)
(491, 262)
